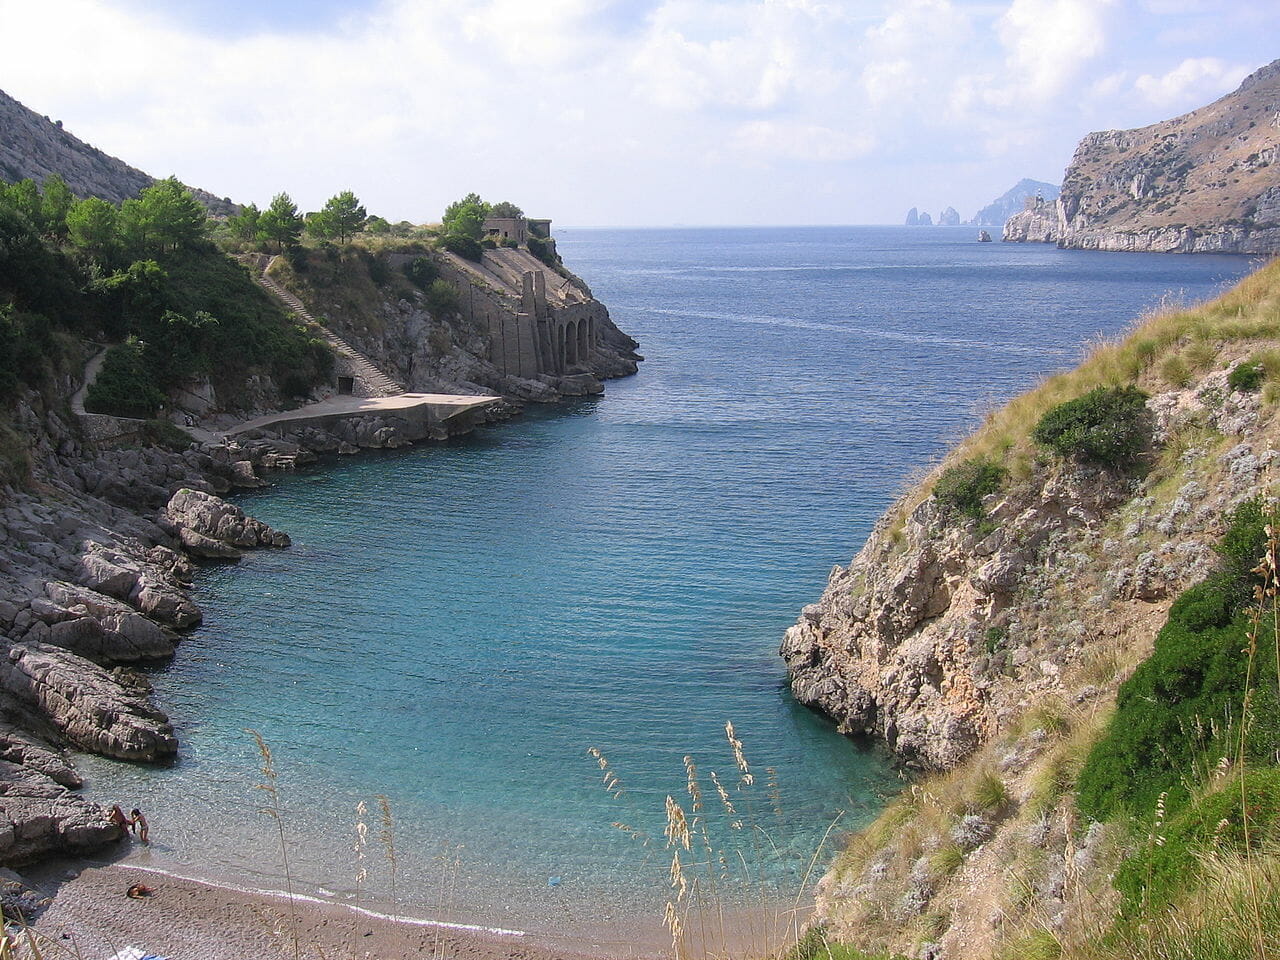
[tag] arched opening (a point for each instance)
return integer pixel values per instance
(571, 343)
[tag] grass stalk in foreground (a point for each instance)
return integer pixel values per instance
(273, 811)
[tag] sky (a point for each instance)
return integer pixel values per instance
(623, 112)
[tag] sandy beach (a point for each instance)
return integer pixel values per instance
(92, 917)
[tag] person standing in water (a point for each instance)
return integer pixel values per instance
(139, 821)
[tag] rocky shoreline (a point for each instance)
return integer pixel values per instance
(97, 554)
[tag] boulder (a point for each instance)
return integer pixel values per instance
(90, 706)
(40, 817)
(199, 518)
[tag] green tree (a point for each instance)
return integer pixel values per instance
(465, 217)
(55, 204)
(377, 226)
(281, 222)
(506, 209)
(93, 227)
(344, 215)
(24, 196)
(173, 215)
(319, 225)
(244, 225)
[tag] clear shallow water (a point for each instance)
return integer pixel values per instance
(456, 624)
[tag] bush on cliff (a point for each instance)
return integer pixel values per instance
(464, 247)
(1108, 427)
(421, 271)
(1246, 377)
(442, 298)
(125, 386)
(1156, 873)
(961, 488)
(1183, 708)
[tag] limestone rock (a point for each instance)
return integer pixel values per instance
(91, 707)
(1205, 182)
(215, 528)
(39, 817)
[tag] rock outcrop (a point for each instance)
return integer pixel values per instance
(1204, 182)
(949, 217)
(897, 646)
(1014, 201)
(35, 147)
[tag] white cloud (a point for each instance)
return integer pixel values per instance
(766, 140)
(692, 104)
(1190, 82)
(1050, 43)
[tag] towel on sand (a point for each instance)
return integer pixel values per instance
(136, 953)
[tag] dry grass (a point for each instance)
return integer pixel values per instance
(1163, 349)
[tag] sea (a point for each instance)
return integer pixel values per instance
(487, 667)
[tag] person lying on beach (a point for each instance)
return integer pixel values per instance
(117, 817)
(141, 823)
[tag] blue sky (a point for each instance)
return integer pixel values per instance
(630, 112)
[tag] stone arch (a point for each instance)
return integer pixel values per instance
(584, 342)
(571, 343)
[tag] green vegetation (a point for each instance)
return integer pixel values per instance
(144, 276)
(465, 217)
(1247, 377)
(421, 271)
(1108, 427)
(961, 487)
(1184, 707)
(464, 247)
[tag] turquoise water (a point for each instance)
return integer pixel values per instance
(456, 624)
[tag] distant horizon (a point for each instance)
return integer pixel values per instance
(613, 112)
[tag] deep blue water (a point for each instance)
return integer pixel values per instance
(456, 624)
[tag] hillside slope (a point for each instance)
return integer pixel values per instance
(1207, 181)
(1013, 201)
(985, 638)
(34, 146)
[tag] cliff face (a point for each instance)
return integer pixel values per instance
(1204, 182)
(519, 328)
(989, 649)
(1013, 201)
(34, 146)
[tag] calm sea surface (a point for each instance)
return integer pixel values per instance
(456, 624)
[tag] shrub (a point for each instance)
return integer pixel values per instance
(124, 386)
(421, 271)
(1182, 707)
(542, 249)
(1246, 377)
(961, 488)
(464, 247)
(442, 298)
(1244, 543)
(489, 243)
(1108, 426)
(1152, 876)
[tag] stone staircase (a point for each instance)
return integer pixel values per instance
(375, 382)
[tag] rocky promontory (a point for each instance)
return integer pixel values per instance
(982, 635)
(1204, 182)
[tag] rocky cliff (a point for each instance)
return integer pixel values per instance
(989, 646)
(34, 146)
(1204, 182)
(519, 328)
(1014, 200)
